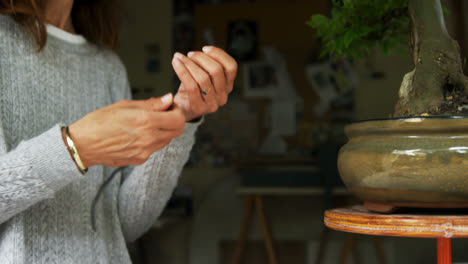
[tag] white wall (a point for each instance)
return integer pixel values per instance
(147, 22)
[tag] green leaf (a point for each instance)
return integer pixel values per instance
(367, 49)
(324, 53)
(364, 30)
(339, 44)
(317, 20)
(348, 37)
(357, 26)
(446, 11)
(347, 3)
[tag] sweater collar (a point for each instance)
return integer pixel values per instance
(61, 40)
(64, 35)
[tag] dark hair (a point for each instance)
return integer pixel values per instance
(97, 20)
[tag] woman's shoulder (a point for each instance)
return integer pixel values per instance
(7, 26)
(113, 61)
(5, 20)
(118, 75)
(10, 31)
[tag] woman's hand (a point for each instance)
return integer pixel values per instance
(206, 78)
(127, 132)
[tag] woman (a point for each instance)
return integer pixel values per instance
(64, 121)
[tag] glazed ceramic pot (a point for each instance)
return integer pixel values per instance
(408, 162)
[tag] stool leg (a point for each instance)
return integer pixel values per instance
(244, 230)
(380, 250)
(323, 245)
(266, 230)
(355, 252)
(347, 248)
(444, 251)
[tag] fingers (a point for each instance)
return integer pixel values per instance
(169, 126)
(161, 103)
(153, 104)
(201, 77)
(213, 71)
(229, 64)
(187, 79)
(153, 142)
(199, 103)
(154, 113)
(216, 73)
(149, 120)
(169, 120)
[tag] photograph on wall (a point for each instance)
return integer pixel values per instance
(242, 40)
(260, 80)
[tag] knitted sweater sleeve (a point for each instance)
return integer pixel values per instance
(34, 171)
(146, 190)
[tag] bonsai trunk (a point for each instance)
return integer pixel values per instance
(437, 85)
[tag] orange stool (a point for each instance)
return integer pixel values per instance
(357, 219)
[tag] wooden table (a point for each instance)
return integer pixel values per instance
(444, 227)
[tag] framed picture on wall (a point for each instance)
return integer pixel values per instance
(242, 40)
(260, 80)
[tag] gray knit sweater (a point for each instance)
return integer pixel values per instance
(45, 203)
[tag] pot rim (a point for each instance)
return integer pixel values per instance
(409, 125)
(410, 118)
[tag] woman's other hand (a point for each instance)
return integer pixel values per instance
(127, 132)
(206, 78)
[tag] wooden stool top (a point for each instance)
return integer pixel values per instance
(357, 219)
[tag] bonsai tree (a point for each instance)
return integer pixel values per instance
(436, 85)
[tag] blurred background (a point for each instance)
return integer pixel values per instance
(263, 169)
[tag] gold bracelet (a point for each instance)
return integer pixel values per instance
(74, 152)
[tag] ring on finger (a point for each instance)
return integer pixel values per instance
(205, 92)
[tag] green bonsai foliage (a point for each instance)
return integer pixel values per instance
(436, 85)
(357, 27)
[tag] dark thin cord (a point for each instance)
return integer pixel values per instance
(96, 198)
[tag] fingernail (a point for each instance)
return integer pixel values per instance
(178, 55)
(177, 62)
(207, 48)
(190, 54)
(166, 98)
